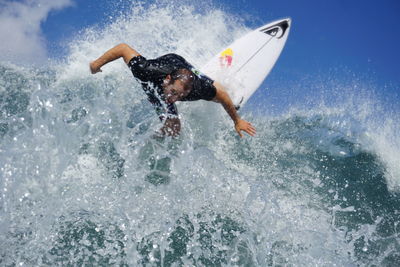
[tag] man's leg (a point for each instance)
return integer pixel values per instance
(121, 50)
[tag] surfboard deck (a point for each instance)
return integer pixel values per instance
(244, 65)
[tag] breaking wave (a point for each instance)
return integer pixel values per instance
(85, 181)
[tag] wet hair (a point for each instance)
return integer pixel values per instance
(185, 76)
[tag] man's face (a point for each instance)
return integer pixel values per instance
(174, 91)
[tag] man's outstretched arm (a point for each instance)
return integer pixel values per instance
(121, 50)
(225, 100)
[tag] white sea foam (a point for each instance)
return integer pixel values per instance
(81, 174)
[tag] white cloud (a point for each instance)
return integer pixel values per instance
(21, 40)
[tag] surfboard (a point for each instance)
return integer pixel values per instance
(243, 66)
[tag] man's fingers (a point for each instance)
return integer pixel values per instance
(250, 129)
(250, 132)
(93, 68)
(247, 130)
(240, 134)
(247, 127)
(253, 130)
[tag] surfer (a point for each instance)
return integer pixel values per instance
(168, 79)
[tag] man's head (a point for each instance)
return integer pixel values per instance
(178, 85)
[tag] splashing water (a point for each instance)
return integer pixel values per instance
(84, 181)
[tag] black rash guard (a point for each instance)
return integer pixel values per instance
(152, 72)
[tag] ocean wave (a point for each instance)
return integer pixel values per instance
(85, 181)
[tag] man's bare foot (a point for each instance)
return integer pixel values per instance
(94, 68)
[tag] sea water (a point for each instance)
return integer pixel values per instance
(84, 179)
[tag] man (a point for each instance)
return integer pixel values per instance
(168, 79)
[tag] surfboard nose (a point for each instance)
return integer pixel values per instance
(289, 22)
(277, 29)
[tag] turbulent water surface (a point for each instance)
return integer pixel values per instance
(84, 181)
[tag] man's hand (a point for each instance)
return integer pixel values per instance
(94, 68)
(242, 125)
(172, 127)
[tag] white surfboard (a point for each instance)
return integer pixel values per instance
(243, 66)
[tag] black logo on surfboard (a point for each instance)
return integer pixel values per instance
(274, 29)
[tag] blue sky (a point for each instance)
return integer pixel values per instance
(362, 35)
(352, 38)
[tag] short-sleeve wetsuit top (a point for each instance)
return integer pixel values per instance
(152, 72)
